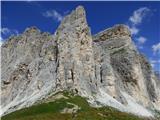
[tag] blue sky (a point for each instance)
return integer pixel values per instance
(143, 18)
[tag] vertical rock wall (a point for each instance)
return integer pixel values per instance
(75, 54)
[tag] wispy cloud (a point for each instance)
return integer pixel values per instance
(53, 14)
(135, 20)
(66, 12)
(140, 41)
(134, 30)
(7, 31)
(154, 62)
(139, 15)
(4, 30)
(156, 48)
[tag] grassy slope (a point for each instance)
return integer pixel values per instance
(51, 111)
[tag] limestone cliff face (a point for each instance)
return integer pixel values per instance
(123, 69)
(28, 69)
(105, 68)
(75, 54)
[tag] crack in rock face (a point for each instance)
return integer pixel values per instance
(105, 68)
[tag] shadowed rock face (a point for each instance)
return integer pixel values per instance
(106, 68)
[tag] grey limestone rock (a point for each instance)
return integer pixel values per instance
(105, 68)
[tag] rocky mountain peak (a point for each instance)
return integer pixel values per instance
(80, 11)
(106, 68)
(76, 18)
(32, 30)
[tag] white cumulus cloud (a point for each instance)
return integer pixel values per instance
(156, 48)
(53, 14)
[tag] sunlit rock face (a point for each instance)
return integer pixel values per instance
(105, 68)
(75, 54)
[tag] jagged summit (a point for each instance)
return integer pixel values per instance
(109, 73)
(75, 17)
(31, 29)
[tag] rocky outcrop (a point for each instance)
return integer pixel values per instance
(75, 54)
(105, 68)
